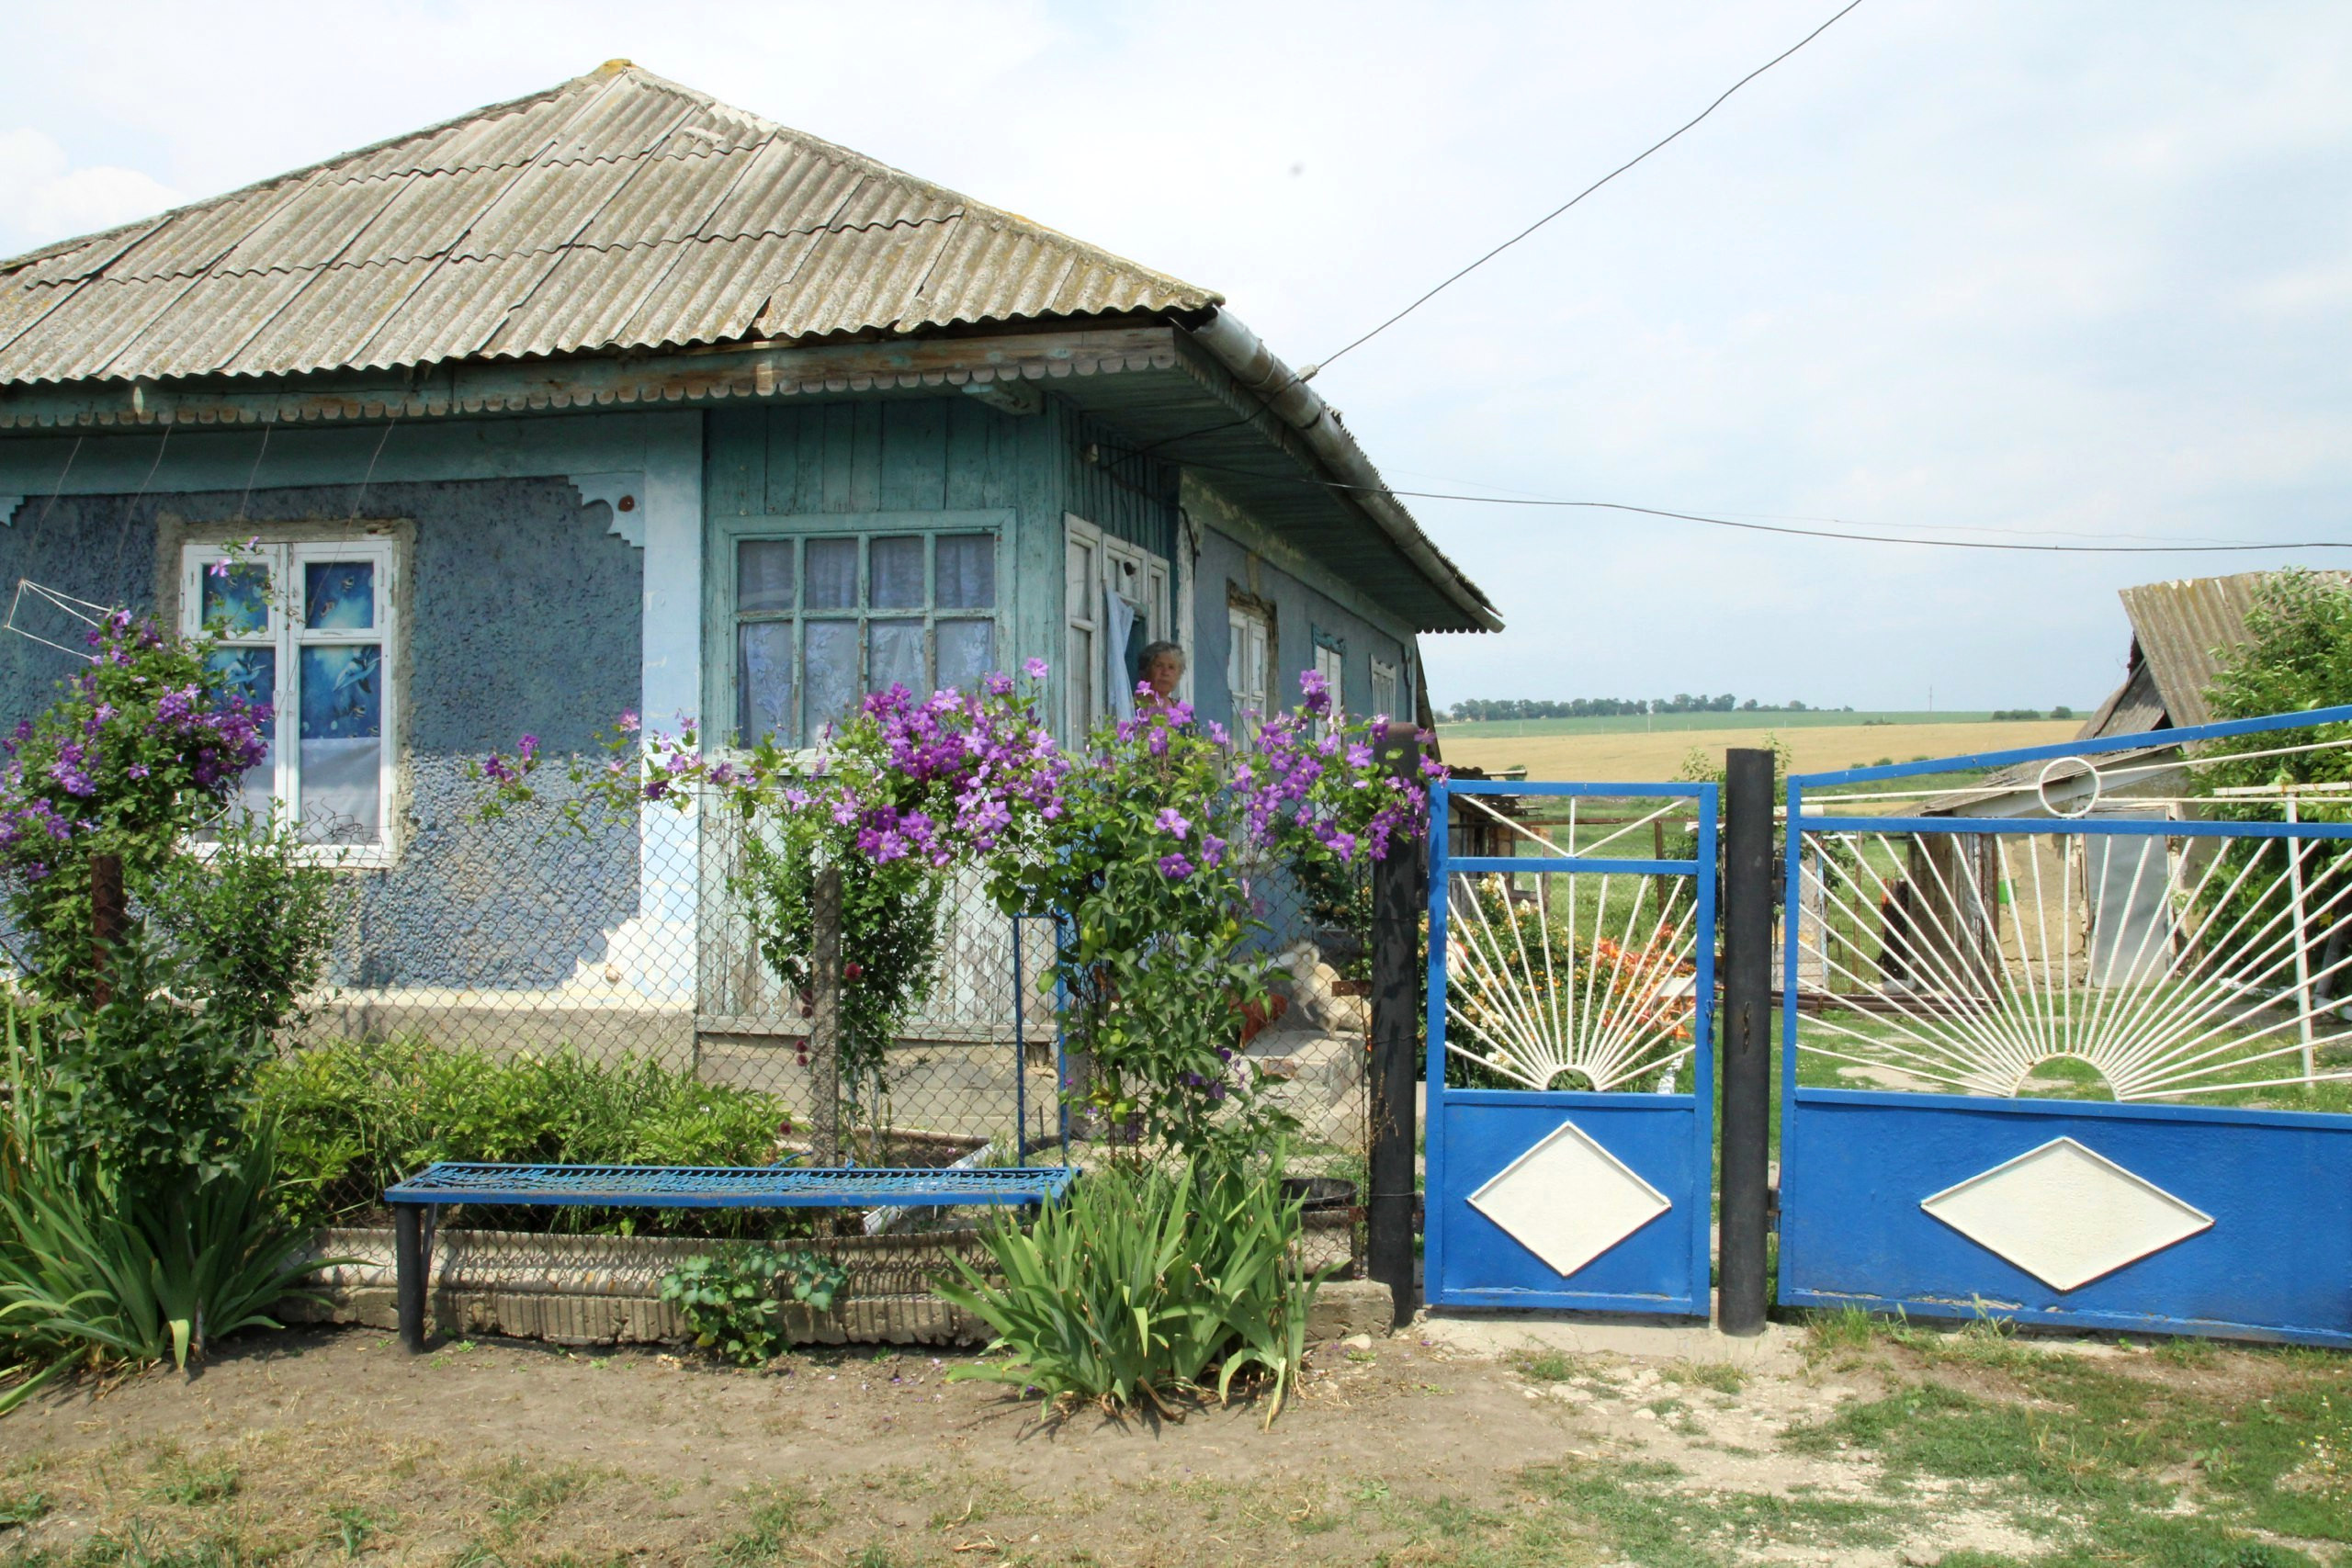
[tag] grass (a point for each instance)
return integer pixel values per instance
(777, 1520)
(2115, 1465)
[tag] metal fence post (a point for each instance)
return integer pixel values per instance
(412, 1264)
(1396, 1027)
(825, 1016)
(1747, 1040)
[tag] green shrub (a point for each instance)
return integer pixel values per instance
(249, 922)
(356, 1116)
(92, 1266)
(1134, 1286)
(730, 1297)
(149, 1088)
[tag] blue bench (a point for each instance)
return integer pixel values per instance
(417, 1202)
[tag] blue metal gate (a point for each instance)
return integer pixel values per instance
(2061, 1046)
(1575, 958)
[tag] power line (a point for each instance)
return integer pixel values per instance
(1394, 494)
(1295, 378)
(1852, 538)
(1587, 190)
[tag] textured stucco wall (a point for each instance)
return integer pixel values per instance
(522, 613)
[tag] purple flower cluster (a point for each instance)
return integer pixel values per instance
(132, 739)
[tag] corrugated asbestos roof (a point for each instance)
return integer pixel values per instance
(618, 211)
(2187, 630)
(2183, 633)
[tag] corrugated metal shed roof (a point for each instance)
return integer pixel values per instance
(618, 211)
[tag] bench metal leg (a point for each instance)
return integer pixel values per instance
(409, 1267)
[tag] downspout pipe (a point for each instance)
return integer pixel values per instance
(1297, 404)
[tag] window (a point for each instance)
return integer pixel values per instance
(1331, 663)
(1383, 689)
(304, 626)
(819, 620)
(1115, 597)
(1249, 665)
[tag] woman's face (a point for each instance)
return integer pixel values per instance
(1165, 674)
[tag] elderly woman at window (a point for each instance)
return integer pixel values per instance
(1160, 667)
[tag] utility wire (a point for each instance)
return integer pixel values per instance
(1782, 528)
(1265, 400)
(1587, 190)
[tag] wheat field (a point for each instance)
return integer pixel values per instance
(1638, 758)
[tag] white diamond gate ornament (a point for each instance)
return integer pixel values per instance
(1571, 1060)
(2068, 1041)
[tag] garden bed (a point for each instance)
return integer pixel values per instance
(605, 1289)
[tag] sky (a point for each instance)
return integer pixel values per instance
(1990, 270)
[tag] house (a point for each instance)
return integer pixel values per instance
(615, 397)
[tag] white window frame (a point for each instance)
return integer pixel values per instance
(1139, 576)
(285, 637)
(1381, 670)
(1331, 663)
(1248, 692)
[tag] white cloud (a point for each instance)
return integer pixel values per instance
(1963, 263)
(44, 196)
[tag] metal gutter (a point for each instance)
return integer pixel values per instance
(1283, 394)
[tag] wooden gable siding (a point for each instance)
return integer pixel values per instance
(889, 457)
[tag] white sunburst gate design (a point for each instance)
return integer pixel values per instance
(2069, 1042)
(1571, 997)
(1592, 986)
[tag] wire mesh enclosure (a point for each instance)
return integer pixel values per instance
(607, 947)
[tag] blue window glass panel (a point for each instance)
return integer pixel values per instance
(339, 595)
(893, 656)
(236, 596)
(341, 747)
(342, 693)
(967, 571)
(763, 681)
(250, 673)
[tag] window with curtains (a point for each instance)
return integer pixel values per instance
(1385, 691)
(1248, 664)
(306, 627)
(1331, 663)
(819, 620)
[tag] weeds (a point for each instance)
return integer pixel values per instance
(778, 1519)
(190, 1487)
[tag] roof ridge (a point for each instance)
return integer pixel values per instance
(291, 176)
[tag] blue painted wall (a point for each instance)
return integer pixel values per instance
(1237, 553)
(522, 614)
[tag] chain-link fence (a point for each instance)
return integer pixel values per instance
(632, 948)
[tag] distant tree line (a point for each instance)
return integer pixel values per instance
(1479, 710)
(1482, 710)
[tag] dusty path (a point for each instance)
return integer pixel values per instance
(334, 1447)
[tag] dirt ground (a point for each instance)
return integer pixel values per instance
(331, 1446)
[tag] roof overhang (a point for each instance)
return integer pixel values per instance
(1176, 393)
